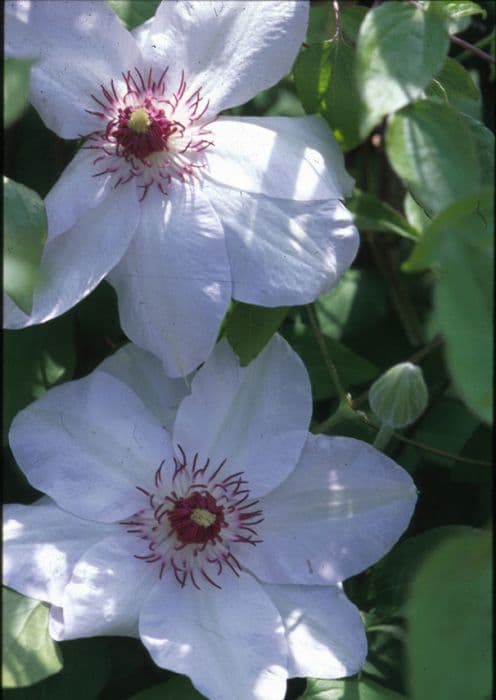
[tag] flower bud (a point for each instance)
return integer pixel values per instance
(399, 396)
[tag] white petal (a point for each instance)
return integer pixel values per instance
(88, 444)
(255, 417)
(325, 633)
(76, 191)
(107, 590)
(231, 49)
(342, 509)
(74, 263)
(283, 253)
(79, 45)
(41, 545)
(288, 157)
(230, 642)
(144, 374)
(21, 39)
(173, 284)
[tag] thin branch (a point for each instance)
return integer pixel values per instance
(400, 300)
(473, 49)
(331, 368)
(478, 44)
(337, 33)
(427, 448)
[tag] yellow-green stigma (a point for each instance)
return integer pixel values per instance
(139, 121)
(203, 517)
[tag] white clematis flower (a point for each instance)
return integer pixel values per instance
(179, 208)
(211, 525)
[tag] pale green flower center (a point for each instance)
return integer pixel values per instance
(139, 121)
(203, 517)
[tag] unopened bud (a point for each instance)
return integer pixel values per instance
(399, 396)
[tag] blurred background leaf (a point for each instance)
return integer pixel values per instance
(179, 688)
(15, 89)
(352, 689)
(449, 617)
(29, 654)
(248, 328)
(25, 230)
(385, 80)
(134, 12)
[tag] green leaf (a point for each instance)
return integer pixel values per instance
(25, 228)
(374, 215)
(324, 79)
(175, 689)
(415, 215)
(430, 146)
(35, 359)
(449, 618)
(85, 673)
(463, 300)
(250, 327)
(455, 85)
(312, 75)
(134, 12)
(29, 653)
(459, 244)
(447, 425)
(357, 303)
(390, 579)
(353, 370)
(352, 689)
(483, 139)
(456, 82)
(472, 213)
(321, 23)
(456, 14)
(15, 88)
(351, 17)
(400, 48)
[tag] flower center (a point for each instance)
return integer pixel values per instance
(196, 519)
(203, 517)
(139, 121)
(149, 133)
(197, 525)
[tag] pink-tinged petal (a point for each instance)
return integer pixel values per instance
(74, 263)
(254, 417)
(283, 253)
(79, 45)
(107, 590)
(76, 191)
(173, 284)
(143, 373)
(325, 633)
(230, 642)
(343, 508)
(89, 444)
(230, 49)
(41, 545)
(288, 157)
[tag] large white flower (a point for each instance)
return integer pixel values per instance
(181, 209)
(210, 524)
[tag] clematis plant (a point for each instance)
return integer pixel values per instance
(208, 521)
(179, 208)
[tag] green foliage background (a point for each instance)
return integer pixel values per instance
(413, 111)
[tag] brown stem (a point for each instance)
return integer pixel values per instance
(333, 373)
(400, 300)
(473, 49)
(428, 448)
